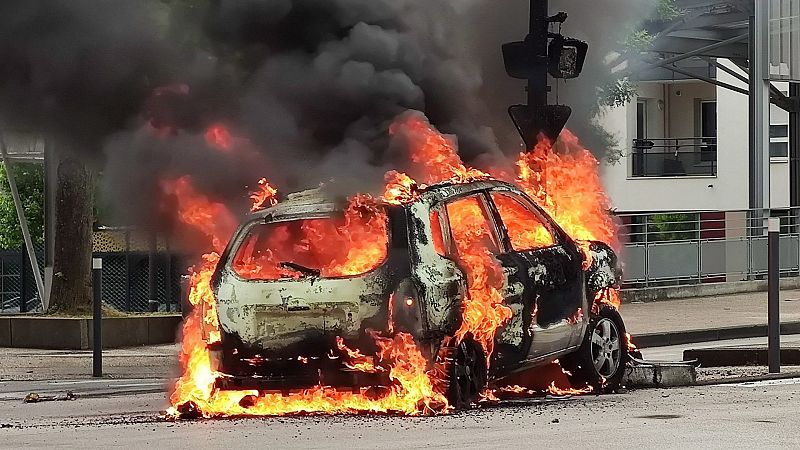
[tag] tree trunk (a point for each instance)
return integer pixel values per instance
(71, 290)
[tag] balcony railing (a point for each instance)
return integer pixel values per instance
(674, 157)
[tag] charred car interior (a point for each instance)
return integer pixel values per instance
(299, 306)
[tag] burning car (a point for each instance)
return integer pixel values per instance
(305, 286)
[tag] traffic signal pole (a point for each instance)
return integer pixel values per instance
(539, 27)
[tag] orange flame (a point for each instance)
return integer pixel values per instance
(559, 392)
(565, 181)
(264, 197)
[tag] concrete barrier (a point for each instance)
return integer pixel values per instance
(66, 333)
(732, 356)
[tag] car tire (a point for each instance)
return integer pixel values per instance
(467, 375)
(601, 359)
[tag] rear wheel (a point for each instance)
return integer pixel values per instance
(467, 374)
(601, 359)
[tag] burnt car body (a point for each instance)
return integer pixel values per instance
(280, 334)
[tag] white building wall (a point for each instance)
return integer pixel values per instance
(675, 117)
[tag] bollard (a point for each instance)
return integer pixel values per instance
(773, 302)
(97, 318)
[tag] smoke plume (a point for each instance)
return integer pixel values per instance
(307, 88)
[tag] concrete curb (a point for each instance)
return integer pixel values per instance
(65, 333)
(655, 294)
(733, 356)
(713, 334)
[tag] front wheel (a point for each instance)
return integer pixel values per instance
(600, 361)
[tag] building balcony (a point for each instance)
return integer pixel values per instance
(674, 157)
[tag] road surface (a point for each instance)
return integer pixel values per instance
(758, 415)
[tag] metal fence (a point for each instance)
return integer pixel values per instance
(125, 281)
(704, 247)
(674, 157)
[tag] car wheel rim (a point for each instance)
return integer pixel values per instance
(606, 352)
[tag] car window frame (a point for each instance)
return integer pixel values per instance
(488, 209)
(440, 209)
(531, 207)
(241, 237)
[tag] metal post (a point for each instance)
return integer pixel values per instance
(773, 307)
(23, 285)
(539, 26)
(759, 115)
(152, 300)
(97, 318)
(128, 306)
(23, 223)
(794, 148)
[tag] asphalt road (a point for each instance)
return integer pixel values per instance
(759, 415)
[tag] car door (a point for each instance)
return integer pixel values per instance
(553, 278)
(474, 241)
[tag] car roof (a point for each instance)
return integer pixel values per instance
(317, 203)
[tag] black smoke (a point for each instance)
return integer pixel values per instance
(309, 87)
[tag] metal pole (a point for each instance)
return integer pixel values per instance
(759, 116)
(97, 318)
(128, 306)
(773, 307)
(23, 223)
(794, 149)
(152, 300)
(23, 288)
(537, 84)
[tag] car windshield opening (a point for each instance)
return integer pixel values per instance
(342, 245)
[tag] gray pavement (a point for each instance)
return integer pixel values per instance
(706, 312)
(159, 361)
(759, 415)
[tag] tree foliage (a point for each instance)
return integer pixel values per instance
(30, 184)
(667, 10)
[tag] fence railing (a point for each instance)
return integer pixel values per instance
(125, 281)
(704, 247)
(674, 157)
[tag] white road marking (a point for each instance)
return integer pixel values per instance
(785, 381)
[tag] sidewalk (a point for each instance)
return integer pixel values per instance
(156, 362)
(737, 315)
(651, 324)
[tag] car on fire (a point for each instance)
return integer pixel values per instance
(289, 295)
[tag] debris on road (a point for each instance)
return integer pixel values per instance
(33, 397)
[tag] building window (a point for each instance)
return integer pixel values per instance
(778, 149)
(779, 131)
(708, 119)
(779, 141)
(641, 119)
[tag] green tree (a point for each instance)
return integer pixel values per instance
(30, 183)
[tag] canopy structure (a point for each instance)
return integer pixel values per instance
(26, 147)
